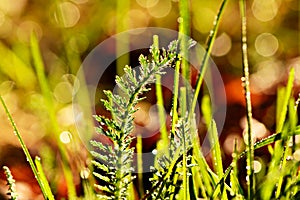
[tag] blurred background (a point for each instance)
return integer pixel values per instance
(68, 30)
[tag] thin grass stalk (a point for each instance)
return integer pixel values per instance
(213, 135)
(25, 149)
(139, 149)
(122, 43)
(246, 85)
(174, 112)
(43, 178)
(185, 184)
(234, 179)
(39, 66)
(184, 32)
(282, 111)
(204, 63)
(160, 104)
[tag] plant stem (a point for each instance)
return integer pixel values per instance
(25, 149)
(174, 112)
(122, 43)
(184, 32)
(160, 103)
(246, 85)
(39, 66)
(203, 67)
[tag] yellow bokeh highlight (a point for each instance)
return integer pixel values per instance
(264, 10)
(266, 44)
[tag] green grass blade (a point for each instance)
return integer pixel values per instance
(160, 105)
(122, 43)
(184, 32)
(199, 172)
(203, 168)
(284, 101)
(234, 180)
(185, 184)
(280, 152)
(246, 85)
(139, 149)
(264, 142)
(204, 63)
(175, 98)
(213, 135)
(288, 149)
(39, 67)
(16, 69)
(43, 178)
(216, 149)
(24, 148)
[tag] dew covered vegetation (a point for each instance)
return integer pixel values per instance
(152, 129)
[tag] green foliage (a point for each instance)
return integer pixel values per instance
(180, 170)
(115, 161)
(35, 171)
(12, 192)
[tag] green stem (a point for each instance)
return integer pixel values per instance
(122, 43)
(39, 66)
(175, 98)
(25, 149)
(185, 185)
(203, 67)
(184, 33)
(160, 103)
(246, 85)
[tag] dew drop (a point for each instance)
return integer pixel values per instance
(154, 151)
(85, 173)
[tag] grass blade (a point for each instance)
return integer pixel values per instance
(246, 85)
(122, 43)
(16, 69)
(213, 135)
(284, 101)
(264, 142)
(39, 67)
(185, 185)
(25, 149)
(43, 178)
(139, 149)
(160, 105)
(174, 112)
(204, 63)
(184, 32)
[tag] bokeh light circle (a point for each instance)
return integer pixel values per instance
(266, 44)
(264, 10)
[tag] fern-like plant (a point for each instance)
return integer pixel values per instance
(12, 192)
(115, 161)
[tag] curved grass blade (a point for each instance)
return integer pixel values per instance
(203, 67)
